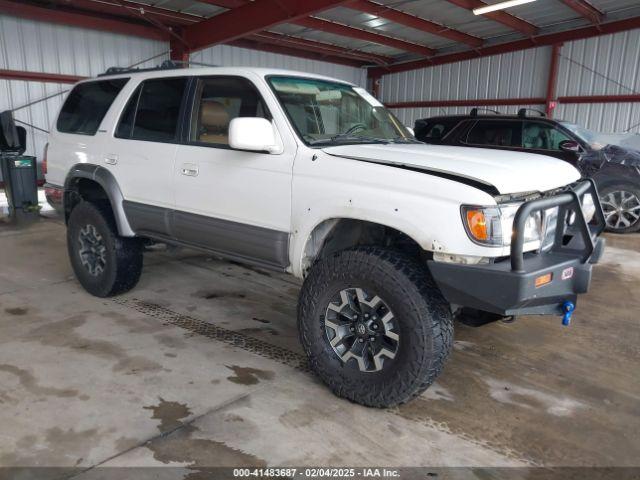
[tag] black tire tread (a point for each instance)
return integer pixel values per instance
(436, 323)
(126, 252)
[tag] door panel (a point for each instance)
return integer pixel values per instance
(232, 201)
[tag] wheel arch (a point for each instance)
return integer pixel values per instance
(340, 232)
(83, 178)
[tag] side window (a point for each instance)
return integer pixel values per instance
(542, 136)
(498, 133)
(219, 100)
(86, 106)
(153, 111)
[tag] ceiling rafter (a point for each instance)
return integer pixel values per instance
(321, 47)
(504, 18)
(352, 32)
(250, 18)
(586, 10)
(73, 18)
(415, 22)
(538, 41)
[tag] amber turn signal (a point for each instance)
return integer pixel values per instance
(477, 224)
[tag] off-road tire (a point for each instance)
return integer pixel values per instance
(617, 187)
(123, 256)
(424, 318)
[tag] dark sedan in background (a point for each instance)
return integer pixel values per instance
(613, 161)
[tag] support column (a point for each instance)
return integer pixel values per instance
(552, 81)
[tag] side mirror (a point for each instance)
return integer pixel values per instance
(253, 134)
(570, 146)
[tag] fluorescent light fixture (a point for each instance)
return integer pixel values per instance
(499, 6)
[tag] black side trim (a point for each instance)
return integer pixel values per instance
(485, 187)
(248, 242)
(237, 241)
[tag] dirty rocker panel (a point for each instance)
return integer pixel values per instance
(234, 240)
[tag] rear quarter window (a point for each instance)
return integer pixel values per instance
(87, 104)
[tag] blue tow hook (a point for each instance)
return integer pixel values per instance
(567, 308)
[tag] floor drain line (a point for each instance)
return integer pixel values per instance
(209, 330)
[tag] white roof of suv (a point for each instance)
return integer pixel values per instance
(173, 72)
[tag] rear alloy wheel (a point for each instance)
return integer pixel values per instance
(105, 263)
(621, 207)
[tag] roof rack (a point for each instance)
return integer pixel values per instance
(523, 112)
(166, 65)
(474, 111)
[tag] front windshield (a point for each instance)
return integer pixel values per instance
(331, 113)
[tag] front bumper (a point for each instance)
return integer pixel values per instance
(508, 287)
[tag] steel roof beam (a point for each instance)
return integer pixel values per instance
(504, 18)
(320, 47)
(412, 21)
(72, 18)
(586, 10)
(250, 18)
(352, 32)
(538, 41)
(286, 50)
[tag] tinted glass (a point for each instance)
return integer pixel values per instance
(159, 109)
(125, 126)
(498, 133)
(433, 130)
(542, 136)
(86, 106)
(220, 100)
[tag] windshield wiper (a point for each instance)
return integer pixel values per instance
(405, 140)
(350, 138)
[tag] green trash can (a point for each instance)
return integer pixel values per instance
(20, 177)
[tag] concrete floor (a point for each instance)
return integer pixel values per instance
(200, 366)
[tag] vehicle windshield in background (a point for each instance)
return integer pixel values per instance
(332, 113)
(598, 141)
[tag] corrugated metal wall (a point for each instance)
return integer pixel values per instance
(229, 56)
(513, 75)
(608, 64)
(51, 48)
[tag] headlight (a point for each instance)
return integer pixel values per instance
(493, 226)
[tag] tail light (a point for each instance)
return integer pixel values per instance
(44, 159)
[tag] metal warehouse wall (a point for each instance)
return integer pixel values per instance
(51, 48)
(229, 56)
(520, 74)
(602, 65)
(616, 57)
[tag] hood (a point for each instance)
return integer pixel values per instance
(508, 172)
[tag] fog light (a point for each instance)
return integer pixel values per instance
(543, 279)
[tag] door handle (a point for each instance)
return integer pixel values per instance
(111, 159)
(190, 170)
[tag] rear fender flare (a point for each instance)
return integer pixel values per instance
(109, 184)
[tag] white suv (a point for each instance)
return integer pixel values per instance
(313, 176)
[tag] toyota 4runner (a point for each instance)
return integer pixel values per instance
(313, 176)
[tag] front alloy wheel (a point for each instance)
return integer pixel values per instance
(621, 210)
(361, 329)
(92, 250)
